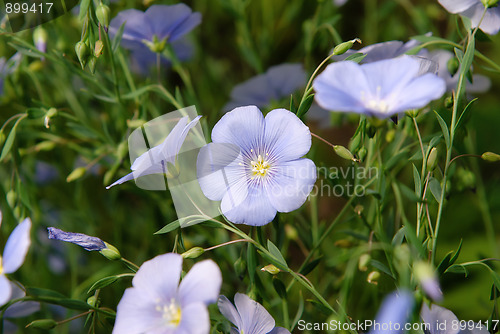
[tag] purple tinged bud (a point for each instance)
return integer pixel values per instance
(40, 39)
(427, 277)
(87, 242)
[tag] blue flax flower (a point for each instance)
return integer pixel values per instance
(156, 160)
(473, 9)
(248, 316)
(382, 89)
(277, 83)
(381, 51)
(159, 24)
(157, 303)
(393, 313)
(254, 165)
(87, 242)
(13, 257)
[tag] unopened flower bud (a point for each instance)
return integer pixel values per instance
(432, 159)
(76, 174)
(344, 152)
(11, 198)
(193, 253)
(490, 156)
(273, 270)
(448, 102)
(52, 112)
(343, 243)
(362, 154)
(42, 324)
(345, 46)
(373, 277)
(489, 3)
(389, 136)
(135, 123)
(291, 232)
(363, 262)
(102, 13)
(452, 65)
(35, 66)
(92, 301)
(2, 137)
(99, 46)
(110, 252)
(83, 52)
(40, 39)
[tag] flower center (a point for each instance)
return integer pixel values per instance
(259, 167)
(375, 102)
(171, 313)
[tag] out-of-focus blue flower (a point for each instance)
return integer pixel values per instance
(45, 173)
(380, 89)
(13, 257)
(7, 67)
(473, 9)
(156, 160)
(381, 51)
(254, 165)
(143, 59)
(393, 313)
(248, 316)
(87, 242)
(158, 24)
(18, 310)
(277, 83)
(480, 83)
(157, 303)
(339, 3)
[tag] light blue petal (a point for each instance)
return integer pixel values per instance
(172, 151)
(285, 79)
(5, 290)
(136, 313)
(389, 77)
(1, 218)
(218, 169)
(290, 184)
(255, 91)
(420, 92)
(159, 277)
(279, 330)
(128, 177)
(457, 6)
(286, 136)
(339, 87)
(20, 309)
(229, 311)
(186, 26)
(255, 209)
(172, 21)
(17, 247)
(168, 149)
(137, 28)
(201, 284)
(432, 288)
(491, 20)
(243, 127)
(255, 318)
(396, 309)
(437, 314)
(194, 320)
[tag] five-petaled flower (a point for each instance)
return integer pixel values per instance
(157, 303)
(155, 27)
(277, 83)
(255, 165)
(13, 257)
(382, 89)
(474, 9)
(161, 159)
(248, 316)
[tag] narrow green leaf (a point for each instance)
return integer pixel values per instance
(275, 252)
(169, 227)
(300, 311)
(280, 288)
(102, 283)
(444, 264)
(115, 43)
(310, 266)
(8, 143)
(465, 114)
(444, 129)
(382, 267)
(417, 181)
(457, 253)
(356, 57)
(305, 105)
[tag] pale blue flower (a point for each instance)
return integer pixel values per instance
(480, 83)
(156, 160)
(473, 9)
(157, 303)
(7, 66)
(277, 83)
(158, 22)
(393, 313)
(254, 165)
(13, 257)
(440, 320)
(87, 242)
(248, 316)
(382, 89)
